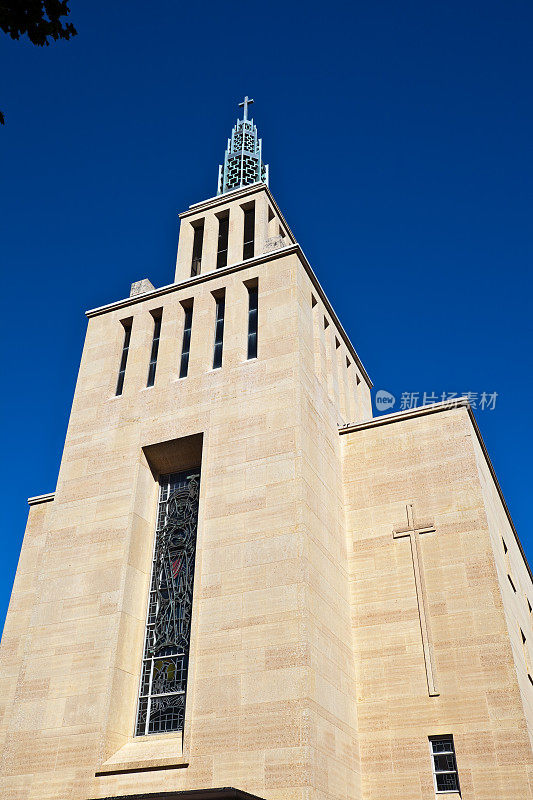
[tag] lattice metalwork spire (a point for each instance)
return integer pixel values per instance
(243, 162)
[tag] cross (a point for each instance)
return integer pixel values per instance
(413, 531)
(245, 103)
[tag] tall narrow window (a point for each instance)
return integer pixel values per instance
(168, 626)
(124, 357)
(186, 346)
(155, 347)
(197, 245)
(444, 765)
(249, 233)
(223, 233)
(252, 321)
(219, 331)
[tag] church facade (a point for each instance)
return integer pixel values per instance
(243, 583)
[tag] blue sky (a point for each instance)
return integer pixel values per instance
(399, 142)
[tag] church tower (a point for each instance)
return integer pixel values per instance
(243, 584)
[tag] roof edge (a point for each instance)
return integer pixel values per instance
(410, 413)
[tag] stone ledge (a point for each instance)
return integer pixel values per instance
(146, 753)
(41, 498)
(225, 793)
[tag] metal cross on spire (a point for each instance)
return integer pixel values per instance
(246, 102)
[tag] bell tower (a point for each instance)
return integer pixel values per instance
(180, 619)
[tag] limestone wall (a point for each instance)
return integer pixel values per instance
(430, 461)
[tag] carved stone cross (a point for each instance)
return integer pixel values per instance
(413, 531)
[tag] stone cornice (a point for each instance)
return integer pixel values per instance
(435, 408)
(41, 498)
(218, 273)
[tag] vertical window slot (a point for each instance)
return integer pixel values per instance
(124, 357)
(220, 301)
(444, 764)
(249, 232)
(252, 320)
(197, 246)
(186, 346)
(223, 234)
(157, 315)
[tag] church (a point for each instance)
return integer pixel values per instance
(246, 586)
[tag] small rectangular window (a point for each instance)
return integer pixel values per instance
(444, 764)
(223, 233)
(526, 655)
(124, 357)
(252, 321)
(197, 248)
(155, 347)
(249, 233)
(219, 330)
(186, 346)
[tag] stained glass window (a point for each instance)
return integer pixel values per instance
(168, 627)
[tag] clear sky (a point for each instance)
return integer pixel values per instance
(399, 142)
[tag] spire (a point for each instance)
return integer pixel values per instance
(243, 163)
